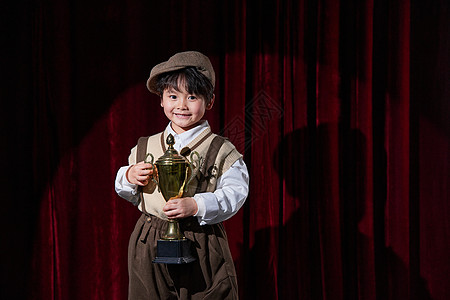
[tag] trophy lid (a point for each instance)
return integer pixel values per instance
(171, 155)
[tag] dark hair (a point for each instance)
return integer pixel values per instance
(195, 83)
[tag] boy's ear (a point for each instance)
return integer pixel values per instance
(161, 103)
(211, 102)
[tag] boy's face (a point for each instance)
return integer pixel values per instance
(183, 109)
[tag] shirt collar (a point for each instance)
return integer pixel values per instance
(183, 139)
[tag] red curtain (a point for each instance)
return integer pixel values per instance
(339, 107)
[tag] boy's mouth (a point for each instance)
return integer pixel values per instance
(182, 115)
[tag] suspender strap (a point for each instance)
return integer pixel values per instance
(163, 143)
(211, 155)
(140, 156)
(141, 149)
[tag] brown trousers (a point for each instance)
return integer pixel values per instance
(211, 276)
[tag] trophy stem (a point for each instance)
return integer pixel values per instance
(173, 231)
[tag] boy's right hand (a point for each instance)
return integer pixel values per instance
(139, 173)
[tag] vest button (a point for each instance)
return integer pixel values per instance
(149, 219)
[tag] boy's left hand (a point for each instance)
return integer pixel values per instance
(180, 208)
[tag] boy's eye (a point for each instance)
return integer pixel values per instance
(173, 97)
(192, 98)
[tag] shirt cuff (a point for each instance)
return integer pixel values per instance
(132, 186)
(201, 208)
(206, 200)
(124, 188)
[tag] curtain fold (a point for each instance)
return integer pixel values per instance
(339, 107)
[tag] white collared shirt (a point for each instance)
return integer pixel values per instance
(220, 205)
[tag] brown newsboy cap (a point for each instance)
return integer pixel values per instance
(180, 61)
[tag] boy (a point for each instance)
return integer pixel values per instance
(185, 84)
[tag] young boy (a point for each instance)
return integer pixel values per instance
(185, 84)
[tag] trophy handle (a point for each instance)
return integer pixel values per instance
(195, 159)
(146, 158)
(155, 171)
(194, 163)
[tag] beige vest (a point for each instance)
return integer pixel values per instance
(202, 181)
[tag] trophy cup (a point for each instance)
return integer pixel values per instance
(172, 173)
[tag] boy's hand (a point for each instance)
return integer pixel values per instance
(180, 208)
(139, 173)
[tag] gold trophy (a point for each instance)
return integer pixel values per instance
(172, 173)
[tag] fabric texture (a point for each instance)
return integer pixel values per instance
(180, 61)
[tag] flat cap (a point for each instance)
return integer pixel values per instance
(180, 61)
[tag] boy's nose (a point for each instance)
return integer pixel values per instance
(182, 103)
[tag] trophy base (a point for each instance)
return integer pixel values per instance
(174, 252)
